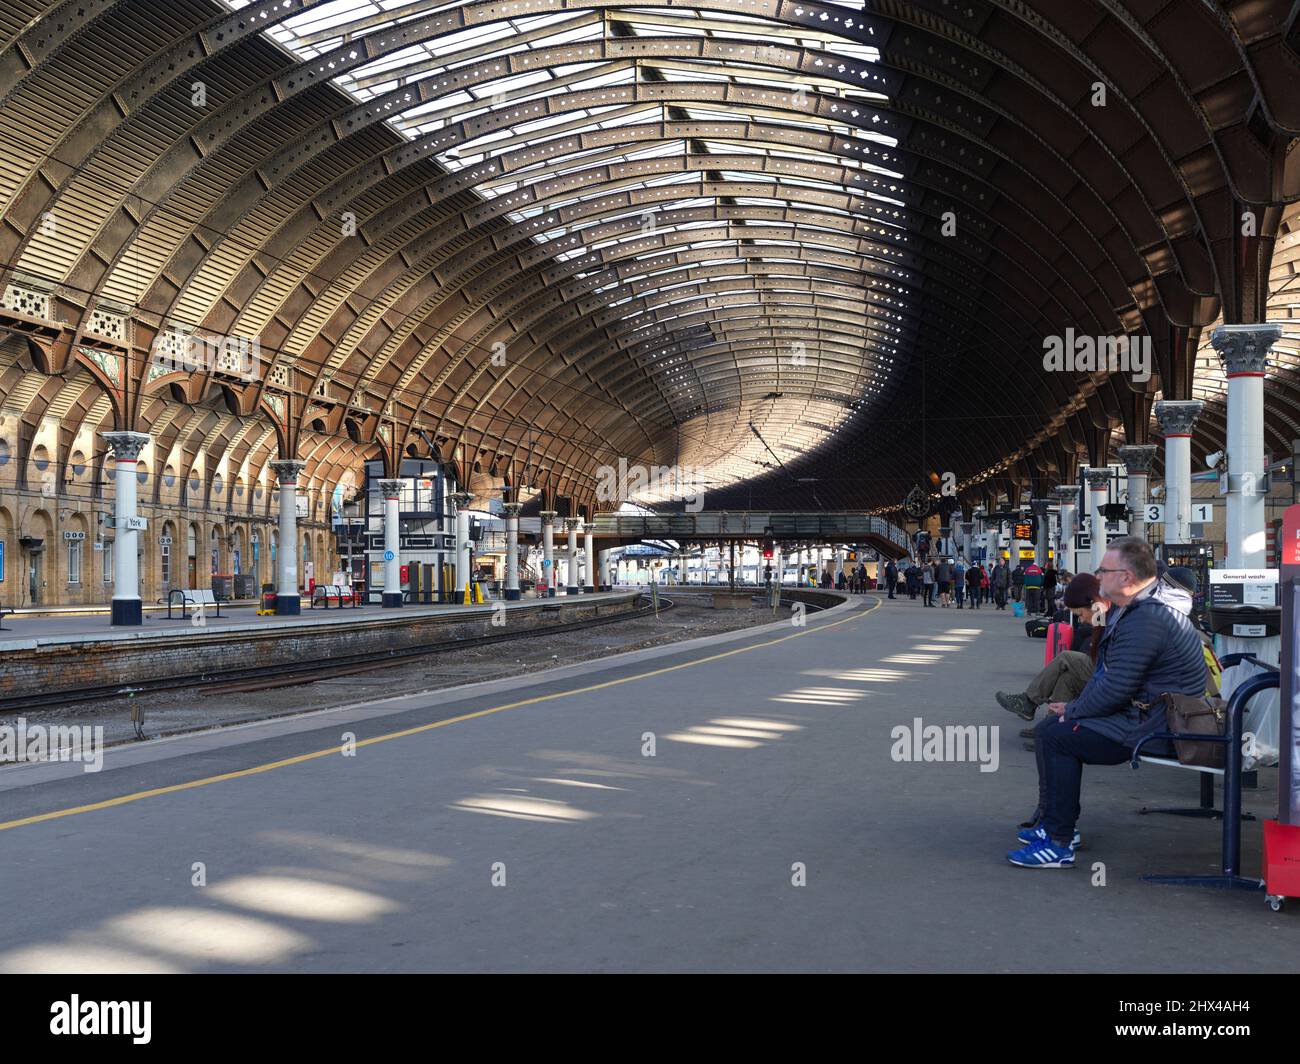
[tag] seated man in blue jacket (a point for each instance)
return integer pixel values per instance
(1149, 647)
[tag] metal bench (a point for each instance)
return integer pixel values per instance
(201, 597)
(1230, 876)
(322, 593)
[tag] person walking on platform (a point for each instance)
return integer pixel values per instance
(976, 580)
(1000, 579)
(985, 592)
(913, 580)
(943, 579)
(1033, 587)
(1049, 589)
(891, 576)
(1017, 581)
(927, 584)
(959, 581)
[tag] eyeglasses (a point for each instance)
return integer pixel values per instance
(1098, 572)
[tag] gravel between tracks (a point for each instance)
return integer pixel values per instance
(173, 712)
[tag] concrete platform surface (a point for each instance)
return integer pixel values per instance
(521, 825)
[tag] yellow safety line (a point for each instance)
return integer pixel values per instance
(173, 788)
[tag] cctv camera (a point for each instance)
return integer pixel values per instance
(1212, 460)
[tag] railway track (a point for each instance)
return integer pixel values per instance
(266, 677)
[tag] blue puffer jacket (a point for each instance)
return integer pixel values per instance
(1149, 647)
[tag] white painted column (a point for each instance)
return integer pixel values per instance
(589, 552)
(287, 602)
(1138, 459)
(1068, 494)
(126, 608)
(1098, 492)
(1244, 351)
(391, 492)
(1177, 418)
(512, 550)
(548, 552)
(571, 586)
(464, 562)
(994, 532)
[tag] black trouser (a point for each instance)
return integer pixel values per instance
(892, 584)
(1049, 599)
(974, 597)
(1000, 598)
(1062, 749)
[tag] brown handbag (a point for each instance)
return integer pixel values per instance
(1196, 715)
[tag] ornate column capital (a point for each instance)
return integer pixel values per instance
(1099, 479)
(1138, 457)
(572, 524)
(1038, 507)
(1067, 493)
(286, 470)
(512, 509)
(548, 516)
(461, 499)
(1243, 349)
(390, 489)
(1177, 416)
(126, 445)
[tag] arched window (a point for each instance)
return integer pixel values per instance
(165, 553)
(192, 556)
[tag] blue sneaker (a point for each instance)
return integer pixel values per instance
(1043, 855)
(1036, 834)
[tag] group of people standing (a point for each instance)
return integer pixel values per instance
(951, 582)
(946, 582)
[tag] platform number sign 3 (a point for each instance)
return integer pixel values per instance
(1155, 513)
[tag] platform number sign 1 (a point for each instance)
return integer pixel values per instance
(1202, 513)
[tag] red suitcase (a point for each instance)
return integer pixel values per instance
(1060, 636)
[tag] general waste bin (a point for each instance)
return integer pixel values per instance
(221, 586)
(245, 586)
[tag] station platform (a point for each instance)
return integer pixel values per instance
(733, 803)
